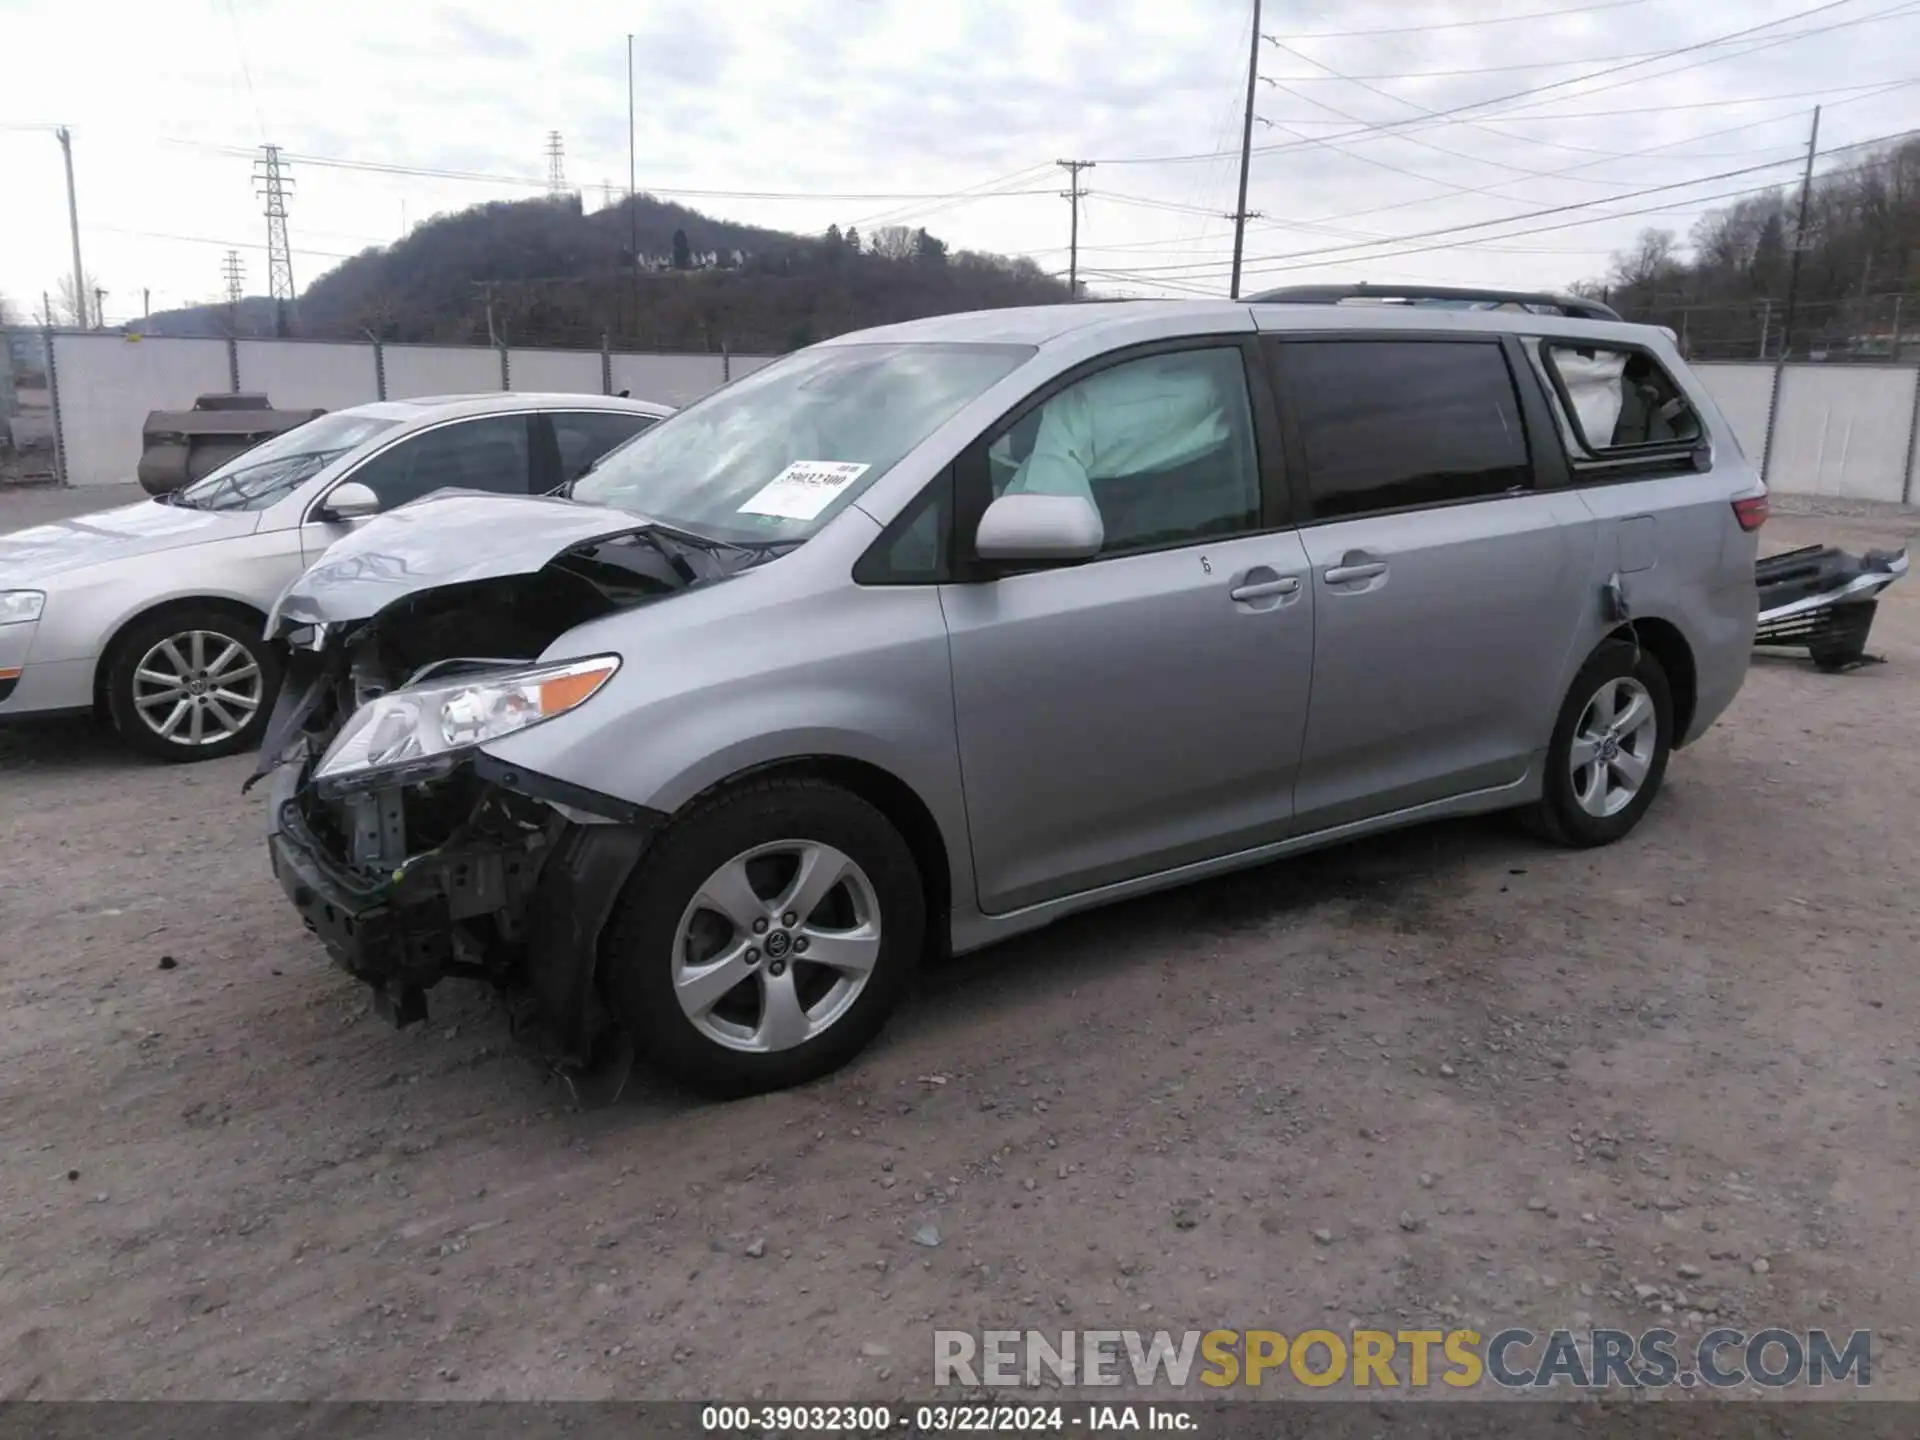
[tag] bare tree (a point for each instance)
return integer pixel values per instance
(68, 311)
(1653, 256)
(9, 312)
(895, 242)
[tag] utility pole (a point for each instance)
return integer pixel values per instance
(1793, 292)
(556, 167)
(1246, 151)
(1072, 197)
(73, 224)
(272, 185)
(146, 303)
(1766, 323)
(633, 207)
(99, 308)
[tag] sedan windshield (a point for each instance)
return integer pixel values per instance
(773, 457)
(271, 470)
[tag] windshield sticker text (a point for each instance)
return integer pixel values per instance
(804, 489)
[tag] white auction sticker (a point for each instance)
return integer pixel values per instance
(804, 488)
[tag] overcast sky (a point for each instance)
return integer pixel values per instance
(875, 99)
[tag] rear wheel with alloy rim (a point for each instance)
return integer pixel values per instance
(765, 937)
(192, 684)
(1609, 750)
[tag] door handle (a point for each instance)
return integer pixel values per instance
(1339, 574)
(1261, 589)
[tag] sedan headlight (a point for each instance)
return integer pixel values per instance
(19, 606)
(420, 732)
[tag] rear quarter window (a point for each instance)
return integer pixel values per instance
(1617, 402)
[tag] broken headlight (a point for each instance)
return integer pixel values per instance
(420, 732)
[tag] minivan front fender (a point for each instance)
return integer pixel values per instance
(869, 684)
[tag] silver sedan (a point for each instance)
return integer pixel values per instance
(151, 615)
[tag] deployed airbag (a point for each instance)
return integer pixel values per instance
(1593, 384)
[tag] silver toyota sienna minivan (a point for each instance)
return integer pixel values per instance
(931, 634)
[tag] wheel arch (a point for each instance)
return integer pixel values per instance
(109, 652)
(894, 798)
(1665, 641)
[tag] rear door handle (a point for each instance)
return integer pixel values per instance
(1261, 589)
(1339, 574)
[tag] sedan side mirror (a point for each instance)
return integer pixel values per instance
(1037, 529)
(351, 501)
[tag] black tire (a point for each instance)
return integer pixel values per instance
(232, 626)
(1558, 815)
(637, 955)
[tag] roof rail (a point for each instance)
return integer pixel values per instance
(1573, 305)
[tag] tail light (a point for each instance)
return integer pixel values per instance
(1751, 514)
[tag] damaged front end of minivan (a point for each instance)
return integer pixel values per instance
(412, 853)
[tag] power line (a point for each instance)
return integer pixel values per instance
(1470, 24)
(429, 172)
(213, 240)
(1451, 230)
(985, 189)
(246, 70)
(1386, 125)
(1630, 155)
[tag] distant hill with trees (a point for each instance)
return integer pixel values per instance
(1724, 286)
(545, 272)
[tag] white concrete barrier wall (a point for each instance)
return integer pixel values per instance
(1742, 390)
(305, 374)
(1842, 430)
(572, 372)
(668, 379)
(440, 370)
(108, 384)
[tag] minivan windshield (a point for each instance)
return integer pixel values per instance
(274, 468)
(773, 457)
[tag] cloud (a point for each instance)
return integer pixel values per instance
(886, 97)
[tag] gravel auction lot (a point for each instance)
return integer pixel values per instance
(1450, 1076)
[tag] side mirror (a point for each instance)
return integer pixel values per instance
(1036, 529)
(351, 501)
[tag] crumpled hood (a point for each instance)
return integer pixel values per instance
(143, 528)
(447, 538)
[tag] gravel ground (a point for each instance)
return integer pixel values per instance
(1447, 1076)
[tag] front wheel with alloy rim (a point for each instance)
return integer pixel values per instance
(765, 937)
(192, 684)
(1609, 749)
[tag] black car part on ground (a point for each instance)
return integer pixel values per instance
(489, 872)
(1822, 600)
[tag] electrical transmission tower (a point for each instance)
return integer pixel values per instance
(271, 183)
(235, 271)
(1072, 196)
(556, 167)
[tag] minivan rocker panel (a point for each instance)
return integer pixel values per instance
(707, 779)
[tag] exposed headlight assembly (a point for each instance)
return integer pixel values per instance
(19, 606)
(420, 732)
